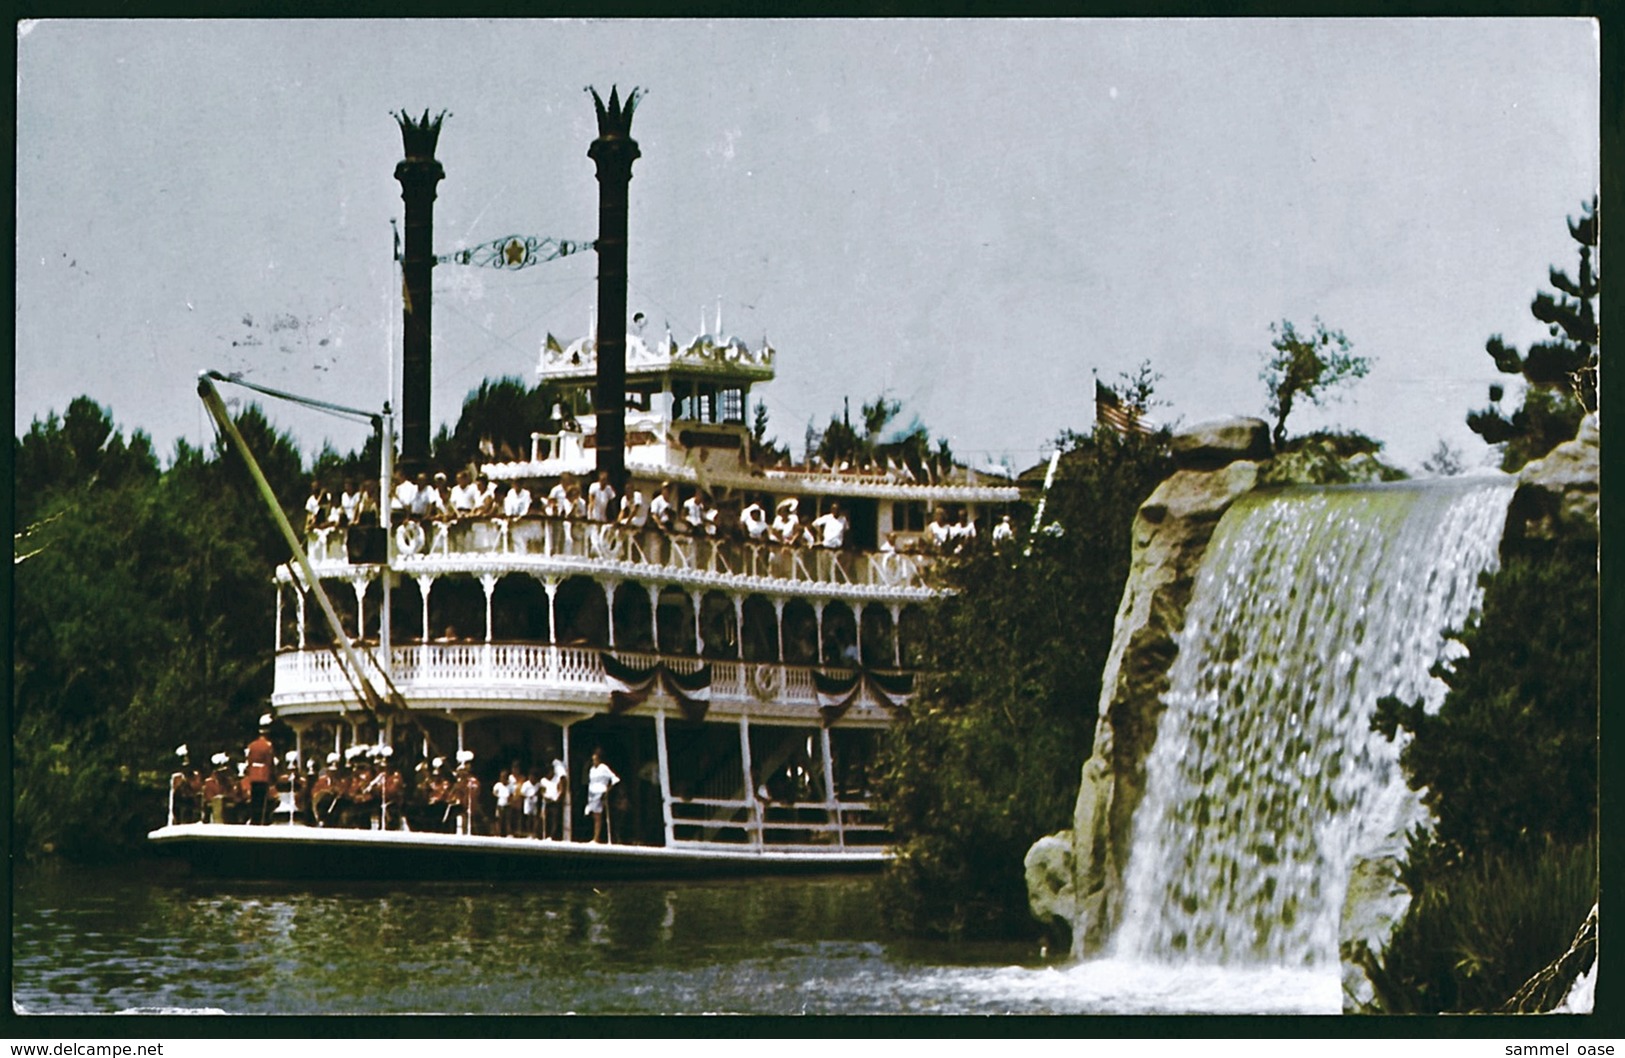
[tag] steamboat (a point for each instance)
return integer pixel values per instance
(727, 638)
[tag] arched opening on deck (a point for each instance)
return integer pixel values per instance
(675, 618)
(583, 616)
(457, 609)
(878, 638)
(634, 624)
(800, 633)
(519, 610)
(759, 638)
(840, 635)
(719, 629)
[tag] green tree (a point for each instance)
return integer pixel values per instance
(1310, 366)
(1005, 705)
(1508, 768)
(143, 618)
(1560, 374)
(496, 423)
(764, 452)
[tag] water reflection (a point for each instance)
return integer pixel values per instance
(93, 941)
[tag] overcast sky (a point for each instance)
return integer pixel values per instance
(968, 216)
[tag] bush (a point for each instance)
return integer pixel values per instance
(1481, 929)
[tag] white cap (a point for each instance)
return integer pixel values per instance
(464, 756)
(242, 768)
(354, 751)
(333, 758)
(386, 751)
(181, 750)
(219, 760)
(265, 720)
(439, 762)
(293, 756)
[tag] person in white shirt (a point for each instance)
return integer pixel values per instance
(516, 504)
(465, 498)
(599, 780)
(503, 792)
(600, 496)
(786, 527)
(634, 512)
(553, 786)
(427, 501)
(830, 528)
(402, 495)
(349, 502)
(530, 796)
(1005, 530)
(661, 510)
(558, 497)
(939, 531)
(316, 506)
(753, 522)
(694, 509)
(962, 534)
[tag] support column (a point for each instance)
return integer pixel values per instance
(750, 782)
(830, 799)
(551, 586)
(654, 616)
(857, 629)
(569, 800)
(359, 586)
(488, 581)
(301, 619)
(897, 635)
(699, 639)
(818, 615)
(277, 643)
(739, 628)
(425, 586)
(664, 763)
(609, 606)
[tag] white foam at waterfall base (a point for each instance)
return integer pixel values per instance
(1122, 986)
(1266, 785)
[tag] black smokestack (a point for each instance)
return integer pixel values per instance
(418, 174)
(614, 151)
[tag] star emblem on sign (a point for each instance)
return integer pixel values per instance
(514, 252)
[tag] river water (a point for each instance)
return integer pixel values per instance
(147, 937)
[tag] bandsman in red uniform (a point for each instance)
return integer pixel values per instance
(185, 790)
(324, 792)
(260, 774)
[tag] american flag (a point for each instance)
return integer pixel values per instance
(1112, 413)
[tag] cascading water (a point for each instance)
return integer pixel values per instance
(1266, 784)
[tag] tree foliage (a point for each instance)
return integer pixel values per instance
(1005, 711)
(1508, 768)
(1560, 374)
(1311, 366)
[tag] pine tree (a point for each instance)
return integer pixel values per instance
(1560, 374)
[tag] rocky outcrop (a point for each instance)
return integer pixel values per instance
(1075, 877)
(1557, 495)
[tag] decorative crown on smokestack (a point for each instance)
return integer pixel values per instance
(614, 120)
(420, 135)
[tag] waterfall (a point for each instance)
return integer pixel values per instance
(1266, 784)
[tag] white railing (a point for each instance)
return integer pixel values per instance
(592, 542)
(531, 670)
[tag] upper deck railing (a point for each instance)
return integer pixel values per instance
(590, 547)
(532, 673)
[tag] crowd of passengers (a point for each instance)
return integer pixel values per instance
(428, 500)
(363, 789)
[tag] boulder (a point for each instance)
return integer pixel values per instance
(1211, 445)
(1557, 494)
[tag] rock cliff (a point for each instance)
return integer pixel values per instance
(1074, 878)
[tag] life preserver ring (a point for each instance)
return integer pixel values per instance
(766, 681)
(410, 537)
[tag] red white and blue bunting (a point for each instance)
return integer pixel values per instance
(630, 687)
(836, 693)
